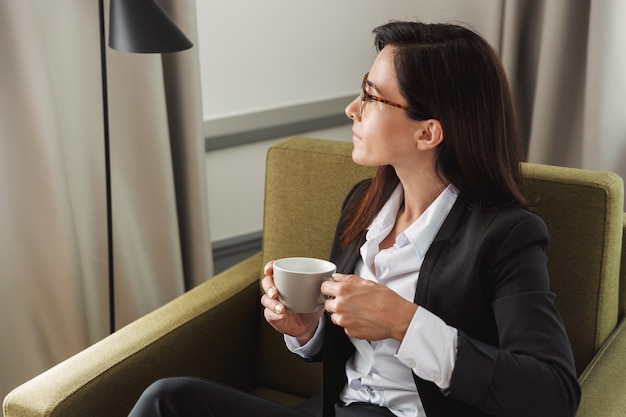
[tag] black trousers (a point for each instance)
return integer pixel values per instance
(195, 397)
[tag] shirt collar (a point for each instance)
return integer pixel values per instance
(423, 230)
(420, 233)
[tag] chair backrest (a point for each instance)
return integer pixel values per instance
(307, 180)
(584, 214)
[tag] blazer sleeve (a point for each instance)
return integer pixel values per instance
(530, 370)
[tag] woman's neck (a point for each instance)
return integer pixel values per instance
(419, 193)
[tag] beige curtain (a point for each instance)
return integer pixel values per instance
(53, 247)
(567, 64)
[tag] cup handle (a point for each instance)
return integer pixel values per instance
(322, 299)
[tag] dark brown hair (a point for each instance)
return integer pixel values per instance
(453, 74)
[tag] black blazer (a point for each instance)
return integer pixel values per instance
(485, 274)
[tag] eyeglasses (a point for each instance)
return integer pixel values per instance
(365, 97)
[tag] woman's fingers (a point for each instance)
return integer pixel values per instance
(268, 281)
(270, 301)
(329, 287)
(274, 310)
(268, 287)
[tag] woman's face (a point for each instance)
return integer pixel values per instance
(383, 134)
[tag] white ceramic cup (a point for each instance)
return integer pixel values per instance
(298, 281)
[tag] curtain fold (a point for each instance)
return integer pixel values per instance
(566, 64)
(53, 242)
(604, 143)
(184, 109)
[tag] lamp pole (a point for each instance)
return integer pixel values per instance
(140, 26)
(107, 169)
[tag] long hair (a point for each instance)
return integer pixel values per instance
(454, 75)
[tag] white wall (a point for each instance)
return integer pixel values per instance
(235, 178)
(259, 54)
(264, 54)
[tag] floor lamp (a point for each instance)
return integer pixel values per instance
(140, 26)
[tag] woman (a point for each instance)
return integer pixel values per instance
(441, 305)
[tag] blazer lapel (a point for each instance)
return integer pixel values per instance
(346, 259)
(441, 240)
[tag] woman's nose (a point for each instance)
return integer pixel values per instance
(352, 109)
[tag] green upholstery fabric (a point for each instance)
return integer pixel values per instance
(200, 333)
(306, 182)
(622, 286)
(603, 382)
(217, 331)
(584, 214)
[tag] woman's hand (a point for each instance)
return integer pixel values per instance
(367, 310)
(299, 325)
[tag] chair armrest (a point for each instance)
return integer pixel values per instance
(604, 379)
(622, 279)
(210, 331)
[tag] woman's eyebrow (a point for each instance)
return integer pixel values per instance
(372, 85)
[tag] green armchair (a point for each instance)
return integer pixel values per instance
(217, 331)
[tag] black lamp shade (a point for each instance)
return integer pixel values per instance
(143, 26)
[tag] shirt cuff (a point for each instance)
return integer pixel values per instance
(429, 348)
(312, 347)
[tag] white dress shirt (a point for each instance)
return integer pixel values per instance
(380, 372)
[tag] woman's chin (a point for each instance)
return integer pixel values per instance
(360, 158)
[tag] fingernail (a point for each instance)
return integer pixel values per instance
(280, 309)
(271, 292)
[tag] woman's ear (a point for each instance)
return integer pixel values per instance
(429, 134)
